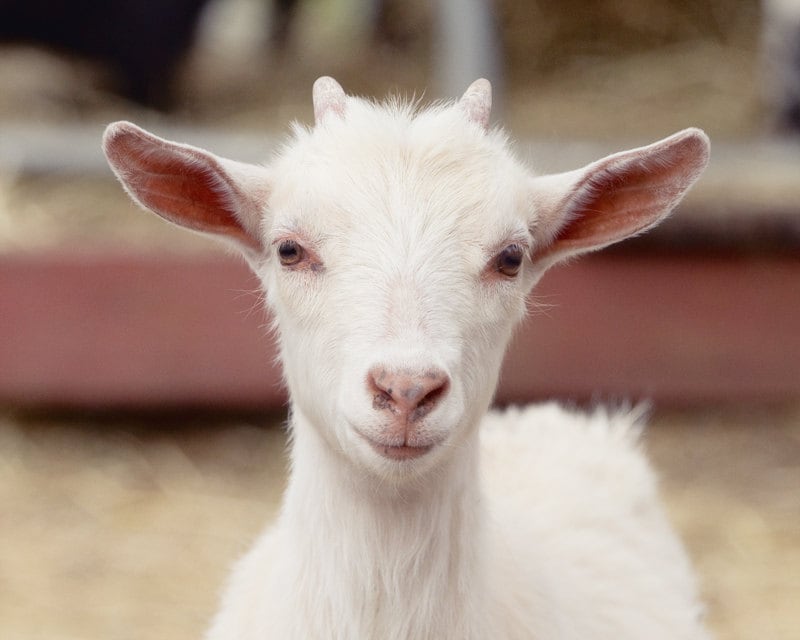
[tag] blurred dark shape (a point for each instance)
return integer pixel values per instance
(141, 41)
(283, 15)
(781, 52)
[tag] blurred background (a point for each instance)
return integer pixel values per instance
(141, 415)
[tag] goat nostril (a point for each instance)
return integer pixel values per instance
(428, 402)
(382, 401)
(407, 393)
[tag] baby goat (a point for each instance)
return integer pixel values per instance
(397, 247)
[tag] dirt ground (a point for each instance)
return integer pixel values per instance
(122, 528)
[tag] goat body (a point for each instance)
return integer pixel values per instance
(397, 247)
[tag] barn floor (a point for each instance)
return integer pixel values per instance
(121, 528)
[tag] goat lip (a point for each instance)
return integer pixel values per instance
(402, 452)
(398, 452)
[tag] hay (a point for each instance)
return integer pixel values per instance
(116, 532)
(731, 482)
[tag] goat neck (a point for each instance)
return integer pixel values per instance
(395, 561)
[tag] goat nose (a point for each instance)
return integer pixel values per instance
(410, 394)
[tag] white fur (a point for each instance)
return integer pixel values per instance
(560, 536)
(534, 523)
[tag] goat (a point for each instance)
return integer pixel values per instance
(397, 246)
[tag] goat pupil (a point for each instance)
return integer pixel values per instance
(510, 260)
(289, 252)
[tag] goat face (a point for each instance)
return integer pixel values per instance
(398, 263)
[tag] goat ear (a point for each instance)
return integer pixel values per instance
(619, 196)
(477, 102)
(189, 186)
(328, 97)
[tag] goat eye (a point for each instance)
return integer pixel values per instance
(290, 253)
(509, 260)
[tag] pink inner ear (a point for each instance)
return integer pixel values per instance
(626, 194)
(614, 206)
(181, 184)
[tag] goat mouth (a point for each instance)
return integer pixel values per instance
(398, 452)
(402, 452)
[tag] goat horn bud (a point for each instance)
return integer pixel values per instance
(477, 102)
(329, 97)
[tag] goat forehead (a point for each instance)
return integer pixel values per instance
(415, 225)
(408, 185)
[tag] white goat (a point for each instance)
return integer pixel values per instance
(397, 247)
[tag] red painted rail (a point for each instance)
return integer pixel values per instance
(144, 332)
